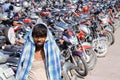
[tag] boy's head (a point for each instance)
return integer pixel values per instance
(39, 34)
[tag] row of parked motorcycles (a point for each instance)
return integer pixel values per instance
(83, 31)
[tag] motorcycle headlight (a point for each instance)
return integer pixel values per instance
(73, 40)
(70, 37)
(25, 4)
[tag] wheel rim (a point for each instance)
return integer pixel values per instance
(100, 46)
(93, 58)
(110, 38)
(80, 64)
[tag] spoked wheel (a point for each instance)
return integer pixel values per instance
(70, 75)
(110, 37)
(100, 46)
(113, 28)
(110, 28)
(116, 23)
(92, 58)
(89, 55)
(68, 69)
(82, 68)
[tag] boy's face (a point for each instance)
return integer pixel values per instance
(39, 41)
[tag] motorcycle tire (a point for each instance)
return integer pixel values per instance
(116, 23)
(100, 46)
(92, 58)
(10, 35)
(82, 67)
(65, 76)
(110, 28)
(110, 37)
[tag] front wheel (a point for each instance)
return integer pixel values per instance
(110, 37)
(100, 46)
(65, 76)
(82, 68)
(110, 28)
(10, 35)
(92, 58)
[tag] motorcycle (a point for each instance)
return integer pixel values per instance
(6, 71)
(68, 45)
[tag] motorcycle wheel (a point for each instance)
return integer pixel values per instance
(10, 36)
(68, 71)
(110, 37)
(116, 23)
(100, 46)
(65, 76)
(110, 28)
(82, 68)
(92, 58)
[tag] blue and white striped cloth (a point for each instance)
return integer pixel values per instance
(52, 58)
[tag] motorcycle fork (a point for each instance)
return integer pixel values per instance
(85, 56)
(71, 55)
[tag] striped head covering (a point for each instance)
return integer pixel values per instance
(52, 57)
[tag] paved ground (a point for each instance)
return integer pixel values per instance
(108, 68)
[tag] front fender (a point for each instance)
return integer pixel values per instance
(67, 66)
(86, 45)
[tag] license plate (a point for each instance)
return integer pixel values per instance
(8, 73)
